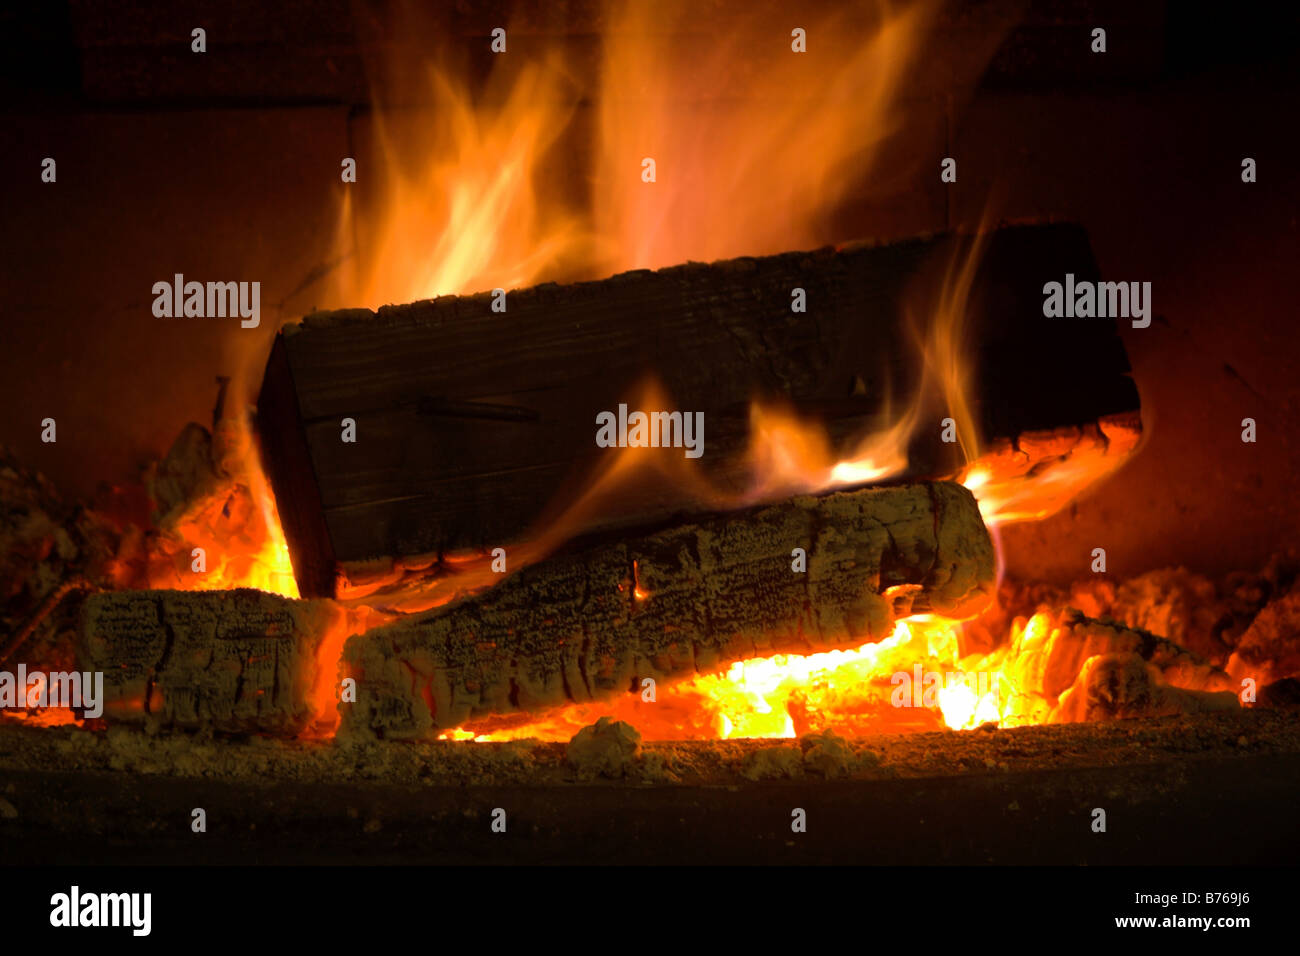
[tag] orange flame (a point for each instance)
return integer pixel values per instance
(226, 533)
(770, 145)
(774, 143)
(467, 215)
(1046, 472)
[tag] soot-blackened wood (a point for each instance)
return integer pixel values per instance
(469, 422)
(692, 598)
(288, 463)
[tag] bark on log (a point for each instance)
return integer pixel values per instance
(237, 661)
(595, 621)
(469, 422)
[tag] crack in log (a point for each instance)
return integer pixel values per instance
(169, 641)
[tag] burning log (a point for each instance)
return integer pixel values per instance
(236, 661)
(468, 422)
(603, 617)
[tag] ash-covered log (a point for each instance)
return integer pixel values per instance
(600, 618)
(469, 421)
(236, 661)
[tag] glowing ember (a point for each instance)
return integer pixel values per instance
(45, 717)
(918, 679)
(914, 680)
(1046, 472)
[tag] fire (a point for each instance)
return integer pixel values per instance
(218, 526)
(46, 717)
(275, 567)
(923, 676)
(466, 206)
(1047, 472)
(472, 198)
(461, 211)
(470, 202)
(917, 679)
(763, 173)
(792, 455)
(735, 181)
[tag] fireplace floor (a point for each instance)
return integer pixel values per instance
(1209, 789)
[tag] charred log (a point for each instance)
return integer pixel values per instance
(602, 618)
(469, 422)
(236, 661)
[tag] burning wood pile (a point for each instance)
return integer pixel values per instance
(801, 579)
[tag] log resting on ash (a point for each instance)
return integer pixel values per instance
(596, 620)
(235, 661)
(469, 423)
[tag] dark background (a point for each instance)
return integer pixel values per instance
(226, 165)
